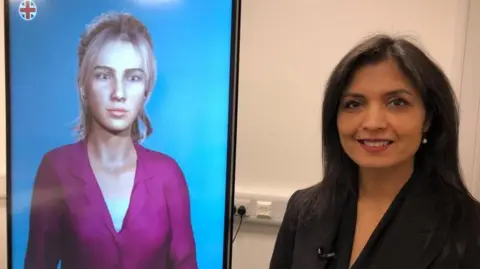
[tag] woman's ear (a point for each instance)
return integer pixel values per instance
(426, 125)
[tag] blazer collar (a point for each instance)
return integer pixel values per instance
(80, 165)
(419, 231)
(412, 240)
(87, 185)
(317, 234)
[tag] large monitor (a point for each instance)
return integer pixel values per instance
(121, 133)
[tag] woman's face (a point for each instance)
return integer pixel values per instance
(116, 90)
(381, 118)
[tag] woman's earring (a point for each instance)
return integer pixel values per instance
(424, 141)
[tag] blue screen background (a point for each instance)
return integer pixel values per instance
(188, 107)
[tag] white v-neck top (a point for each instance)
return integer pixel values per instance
(118, 209)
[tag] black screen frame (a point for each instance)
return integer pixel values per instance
(231, 141)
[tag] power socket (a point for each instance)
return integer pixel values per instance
(263, 207)
(245, 203)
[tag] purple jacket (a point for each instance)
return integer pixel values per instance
(70, 222)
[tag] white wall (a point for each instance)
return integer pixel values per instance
(470, 101)
(287, 51)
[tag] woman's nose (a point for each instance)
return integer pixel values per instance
(375, 118)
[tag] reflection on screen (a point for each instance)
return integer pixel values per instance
(119, 133)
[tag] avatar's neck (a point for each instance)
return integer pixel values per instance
(110, 149)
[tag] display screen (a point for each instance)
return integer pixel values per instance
(120, 121)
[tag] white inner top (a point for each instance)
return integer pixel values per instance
(118, 209)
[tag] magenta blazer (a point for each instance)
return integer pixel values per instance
(70, 222)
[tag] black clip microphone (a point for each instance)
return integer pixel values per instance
(325, 256)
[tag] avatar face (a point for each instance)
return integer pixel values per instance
(116, 90)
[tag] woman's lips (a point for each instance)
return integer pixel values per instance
(375, 145)
(117, 112)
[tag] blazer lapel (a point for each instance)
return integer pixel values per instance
(316, 236)
(85, 194)
(141, 190)
(89, 200)
(417, 233)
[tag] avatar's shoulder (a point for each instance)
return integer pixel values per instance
(63, 152)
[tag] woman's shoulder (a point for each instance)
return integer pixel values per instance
(463, 207)
(301, 204)
(474, 230)
(469, 216)
(303, 196)
(463, 229)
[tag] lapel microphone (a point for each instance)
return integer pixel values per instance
(325, 256)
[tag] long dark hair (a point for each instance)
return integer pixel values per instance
(438, 159)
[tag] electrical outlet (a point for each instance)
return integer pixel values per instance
(245, 203)
(267, 209)
(264, 209)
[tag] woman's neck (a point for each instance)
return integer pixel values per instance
(109, 149)
(383, 184)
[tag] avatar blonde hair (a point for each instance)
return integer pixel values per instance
(105, 28)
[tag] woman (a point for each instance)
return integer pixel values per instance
(106, 201)
(392, 196)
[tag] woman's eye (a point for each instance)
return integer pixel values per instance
(398, 102)
(352, 104)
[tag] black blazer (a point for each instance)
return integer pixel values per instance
(436, 228)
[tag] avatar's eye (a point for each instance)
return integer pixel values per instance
(102, 76)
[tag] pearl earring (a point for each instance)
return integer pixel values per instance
(424, 141)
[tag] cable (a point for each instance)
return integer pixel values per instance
(241, 211)
(238, 229)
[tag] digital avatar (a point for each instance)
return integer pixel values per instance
(106, 201)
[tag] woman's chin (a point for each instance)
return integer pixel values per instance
(376, 163)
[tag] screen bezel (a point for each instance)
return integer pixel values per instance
(231, 140)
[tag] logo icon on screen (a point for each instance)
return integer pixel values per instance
(27, 10)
